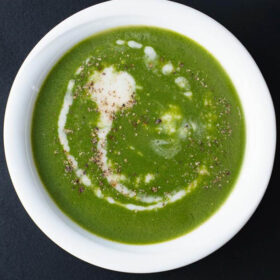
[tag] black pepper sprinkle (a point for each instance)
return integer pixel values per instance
(68, 168)
(81, 189)
(154, 189)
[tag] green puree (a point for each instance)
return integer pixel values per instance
(138, 134)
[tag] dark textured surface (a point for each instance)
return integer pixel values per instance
(26, 253)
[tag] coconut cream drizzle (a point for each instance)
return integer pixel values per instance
(113, 91)
(167, 68)
(150, 53)
(68, 100)
(134, 45)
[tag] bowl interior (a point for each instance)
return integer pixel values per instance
(260, 136)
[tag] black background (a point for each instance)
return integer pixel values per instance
(26, 253)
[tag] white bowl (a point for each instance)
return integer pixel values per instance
(260, 136)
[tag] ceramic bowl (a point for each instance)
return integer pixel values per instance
(260, 136)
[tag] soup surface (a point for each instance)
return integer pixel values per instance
(138, 134)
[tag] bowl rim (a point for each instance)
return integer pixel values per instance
(141, 258)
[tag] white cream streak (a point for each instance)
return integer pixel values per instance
(68, 100)
(112, 91)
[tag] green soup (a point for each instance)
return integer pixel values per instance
(138, 134)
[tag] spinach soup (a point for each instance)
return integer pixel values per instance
(138, 134)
